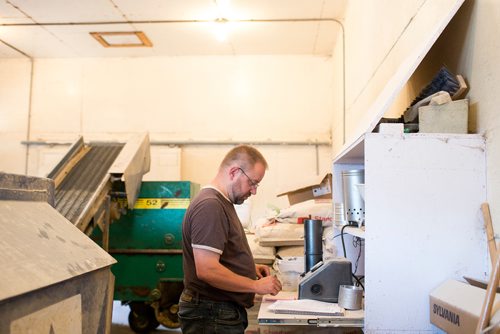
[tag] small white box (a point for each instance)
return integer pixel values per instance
(391, 128)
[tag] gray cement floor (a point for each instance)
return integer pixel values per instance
(120, 322)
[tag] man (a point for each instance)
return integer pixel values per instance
(220, 276)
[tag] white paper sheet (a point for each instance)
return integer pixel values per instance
(306, 306)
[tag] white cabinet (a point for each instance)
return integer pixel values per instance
(423, 221)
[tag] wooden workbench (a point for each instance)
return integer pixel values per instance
(263, 321)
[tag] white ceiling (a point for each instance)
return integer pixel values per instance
(60, 28)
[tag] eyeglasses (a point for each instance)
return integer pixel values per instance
(253, 183)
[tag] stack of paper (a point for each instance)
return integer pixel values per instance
(306, 306)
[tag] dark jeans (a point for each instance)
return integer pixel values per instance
(202, 316)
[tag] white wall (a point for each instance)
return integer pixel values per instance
(468, 47)
(371, 29)
(226, 99)
(14, 107)
(209, 98)
(337, 116)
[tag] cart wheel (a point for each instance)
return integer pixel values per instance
(142, 319)
(169, 317)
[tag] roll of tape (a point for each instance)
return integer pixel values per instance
(350, 297)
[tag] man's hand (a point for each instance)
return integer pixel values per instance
(262, 270)
(268, 284)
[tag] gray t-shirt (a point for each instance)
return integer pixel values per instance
(211, 223)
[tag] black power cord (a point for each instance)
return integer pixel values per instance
(358, 281)
(342, 237)
(357, 241)
(345, 253)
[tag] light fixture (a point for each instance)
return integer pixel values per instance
(221, 29)
(221, 23)
(122, 39)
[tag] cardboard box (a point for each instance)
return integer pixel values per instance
(455, 307)
(317, 191)
(451, 117)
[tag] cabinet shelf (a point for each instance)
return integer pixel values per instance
(422, 197)
(355, 231)
(352, 230)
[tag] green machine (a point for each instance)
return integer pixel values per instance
(146, 242)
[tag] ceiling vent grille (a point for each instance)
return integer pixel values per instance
(122, 39)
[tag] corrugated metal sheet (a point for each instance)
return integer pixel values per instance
(84, 179)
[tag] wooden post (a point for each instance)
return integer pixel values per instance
(109, 302)
(105, 223)
(484, 317)
(492, 246)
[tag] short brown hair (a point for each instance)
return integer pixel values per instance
(246, 155)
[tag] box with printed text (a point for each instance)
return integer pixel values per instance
(455, 307)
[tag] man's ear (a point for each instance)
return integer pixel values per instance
(232, 172)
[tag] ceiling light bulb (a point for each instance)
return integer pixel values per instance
(221, 29)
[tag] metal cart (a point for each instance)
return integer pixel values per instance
(146, 242)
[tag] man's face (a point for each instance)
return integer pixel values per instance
(245, 182)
